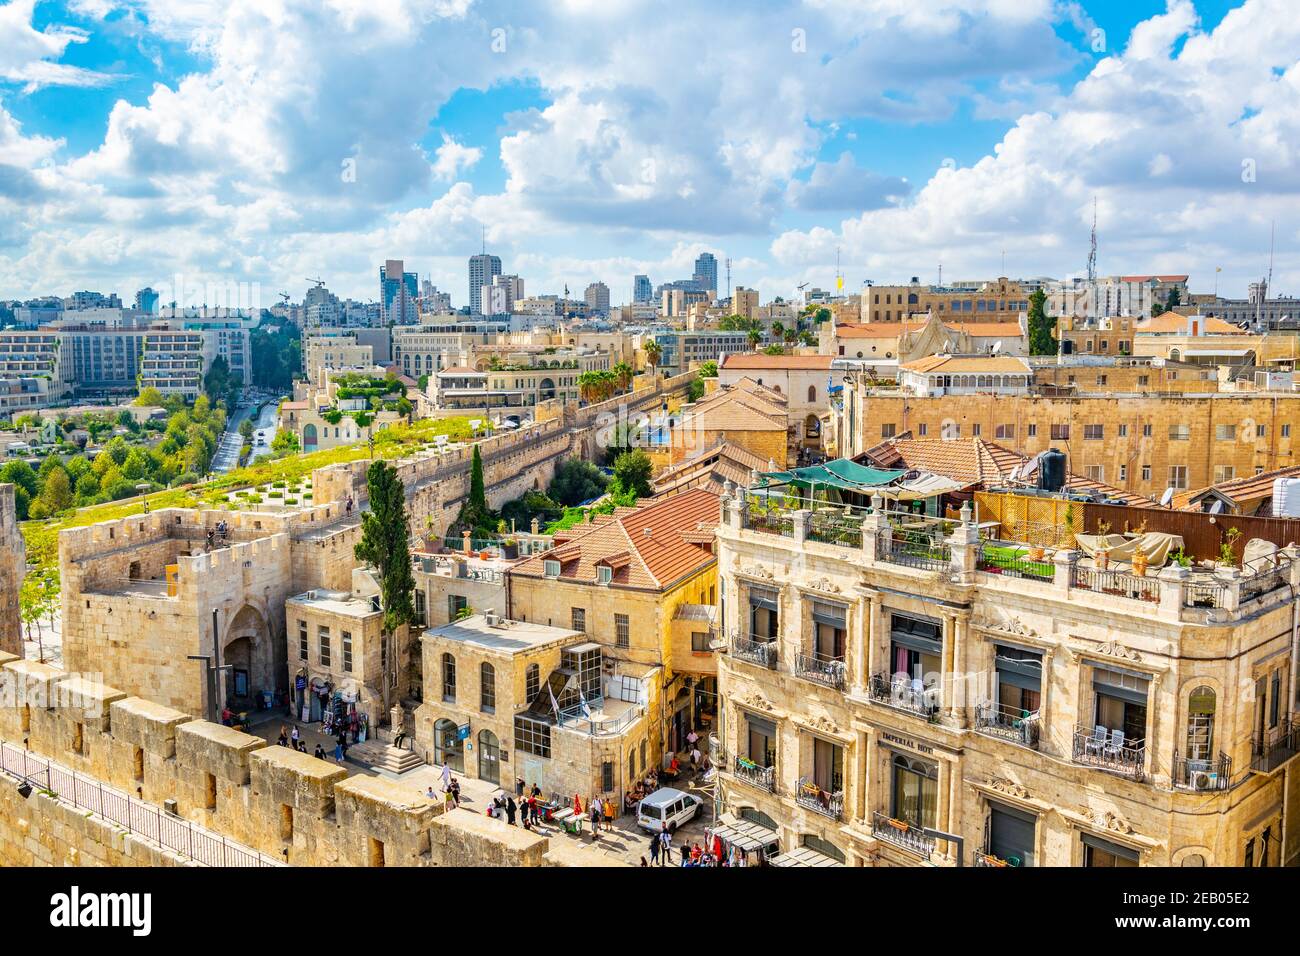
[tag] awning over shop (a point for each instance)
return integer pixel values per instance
(841, 473)
(746, 835)
(923, 486)
(803, 856)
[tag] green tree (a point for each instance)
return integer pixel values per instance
(21, 474)
(709, 369)
(653, 353)
(632, 471)
(695, 390)
(754, 337)
(149, 396)
(385, 543)
(1042, 327)
(576, 481)
(284, 443)
(56, 493)
(246, 429)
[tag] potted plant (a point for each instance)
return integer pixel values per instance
(510, 549)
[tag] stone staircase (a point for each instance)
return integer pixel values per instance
(388, 760)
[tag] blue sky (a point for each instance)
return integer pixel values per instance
(140, 139)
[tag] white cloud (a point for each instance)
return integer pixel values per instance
(454, 158)
(30, 56)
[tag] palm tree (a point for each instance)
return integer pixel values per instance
(653, 353)
(623, 372)
(754, 337)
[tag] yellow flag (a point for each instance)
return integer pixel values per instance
(839, 283)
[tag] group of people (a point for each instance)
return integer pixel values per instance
(292, 737)
(661, 851)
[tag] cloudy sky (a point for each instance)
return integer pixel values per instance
(268, 141)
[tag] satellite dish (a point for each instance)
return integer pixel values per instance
(1167, 497)
(997, 347)
(1217, 507)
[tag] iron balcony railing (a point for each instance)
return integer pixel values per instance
(717, 752)
(187, 839)
(1010, 724)
(1263, 582)
(920, 548)
(1014, 560)
(755, 650)
(818, 799)
(1106, 750)
(985, 858)
(902, 834)
(1118, 583)
(842, 528)
(1202, 774)
(830, 671)
(771, 522)
(751, 773)
(904, 693)
(1272, 748)
(1204, 595)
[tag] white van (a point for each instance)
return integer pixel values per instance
(666, 805)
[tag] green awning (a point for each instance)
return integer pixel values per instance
(841, 473)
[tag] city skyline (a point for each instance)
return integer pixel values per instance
(120, 165)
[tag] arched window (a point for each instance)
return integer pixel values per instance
(448, 678)
(487, 688)
(1200, 724)
(812, 393)
(532, 682)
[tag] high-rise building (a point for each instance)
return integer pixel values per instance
(499, 296)
(481, 270)
(433, 302)
(642, 291)
(706, 271)
(744, 302)
(146, 300)
(597, 297)
(398, 291)
(320, 307)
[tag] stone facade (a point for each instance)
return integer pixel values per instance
(13, 566)
(840, 749)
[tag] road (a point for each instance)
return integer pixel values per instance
(227, 454)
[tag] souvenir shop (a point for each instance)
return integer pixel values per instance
(332, 705)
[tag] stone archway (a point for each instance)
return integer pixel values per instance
(247, 649)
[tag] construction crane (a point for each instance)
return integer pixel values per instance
(285, 296)
(320, 283)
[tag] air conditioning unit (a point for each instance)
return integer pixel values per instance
(490, 618)
(1204, 780)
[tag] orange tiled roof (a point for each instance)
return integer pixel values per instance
(967, 363)
(1246, 489)
(1169, 323)
(758, 360)
(659, 539)
(711, 469)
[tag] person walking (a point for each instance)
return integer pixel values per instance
(666, 838)
(446, 775)
(511, 808)
(295, 736)
(343, 746)
(596, 815)
(519, 787)
(338, 751)
(654, 849)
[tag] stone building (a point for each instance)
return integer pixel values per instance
(890, 690)
(633, 582)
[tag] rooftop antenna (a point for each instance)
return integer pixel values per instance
(941, 275)
(484, 228)
(728, 277)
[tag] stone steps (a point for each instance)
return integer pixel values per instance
(384, 757)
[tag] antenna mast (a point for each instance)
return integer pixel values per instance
(728, 277)
(1092, 261)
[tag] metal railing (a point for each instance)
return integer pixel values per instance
(1094, 750)
(144, 819)
(575, 718)
(772, 522)
(842, 528)
(915, 549)
(995, 557)
(717, 752)
(830, 671)
(1262, 582)
(1202, 774)
(1014, 725)
(758, 652)
(751, 773)
(901, 833)
(1118, 583)
(826, 802)
(903, 693)
(1270, 750)
(1204, 595)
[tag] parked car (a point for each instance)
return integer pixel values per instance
(667, 805)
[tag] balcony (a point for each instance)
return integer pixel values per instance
(829, 671)
(1275, 747)
(901, 834)
(812, 797)
(1015, 560)
(775, 521)
(764, 778)
(984, 858)
(1016, 726)
(840, 527)
(904, 694)
(1200, 775)
(1118, 583)
(754, 650)
(1108, 750)
(920, 547)
(717, 752)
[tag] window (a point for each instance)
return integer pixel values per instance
(1224, 432)
(1033, 430)
(700, 642)
(1101, 379)
(1123, 472)
(812, 397)
(532, 681)
(607, 776)
(829, 629)
(302, 640)
(828, 765)
(1093, 432)
(1178, 477)
(915, 656)
(1179, 432)
(1123, 431)
(323, 639)
(1200, 724)
(1095, 473)
(604, 574)
(1011, 834)
(551, 569)
(1103, 853)
(923, 429)
(448, 679)
(1146, 472)
(578, 619)
(1286, 431)
(975, 430)
(487, 698)
(913, 791)
(1019, 674)
(455, 604)
(1224, 473)
(1120, 704)
(1061, 432)
(1005, 432)
(763, 620)
(347, 651)
(622, 631)
(761, 741)
(887, 430)
(1146, 431)
(1143, 380)
(532, 736)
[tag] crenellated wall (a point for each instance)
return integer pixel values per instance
(287, 805)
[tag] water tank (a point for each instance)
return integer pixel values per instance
(1286, 498)
(1051, 470)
